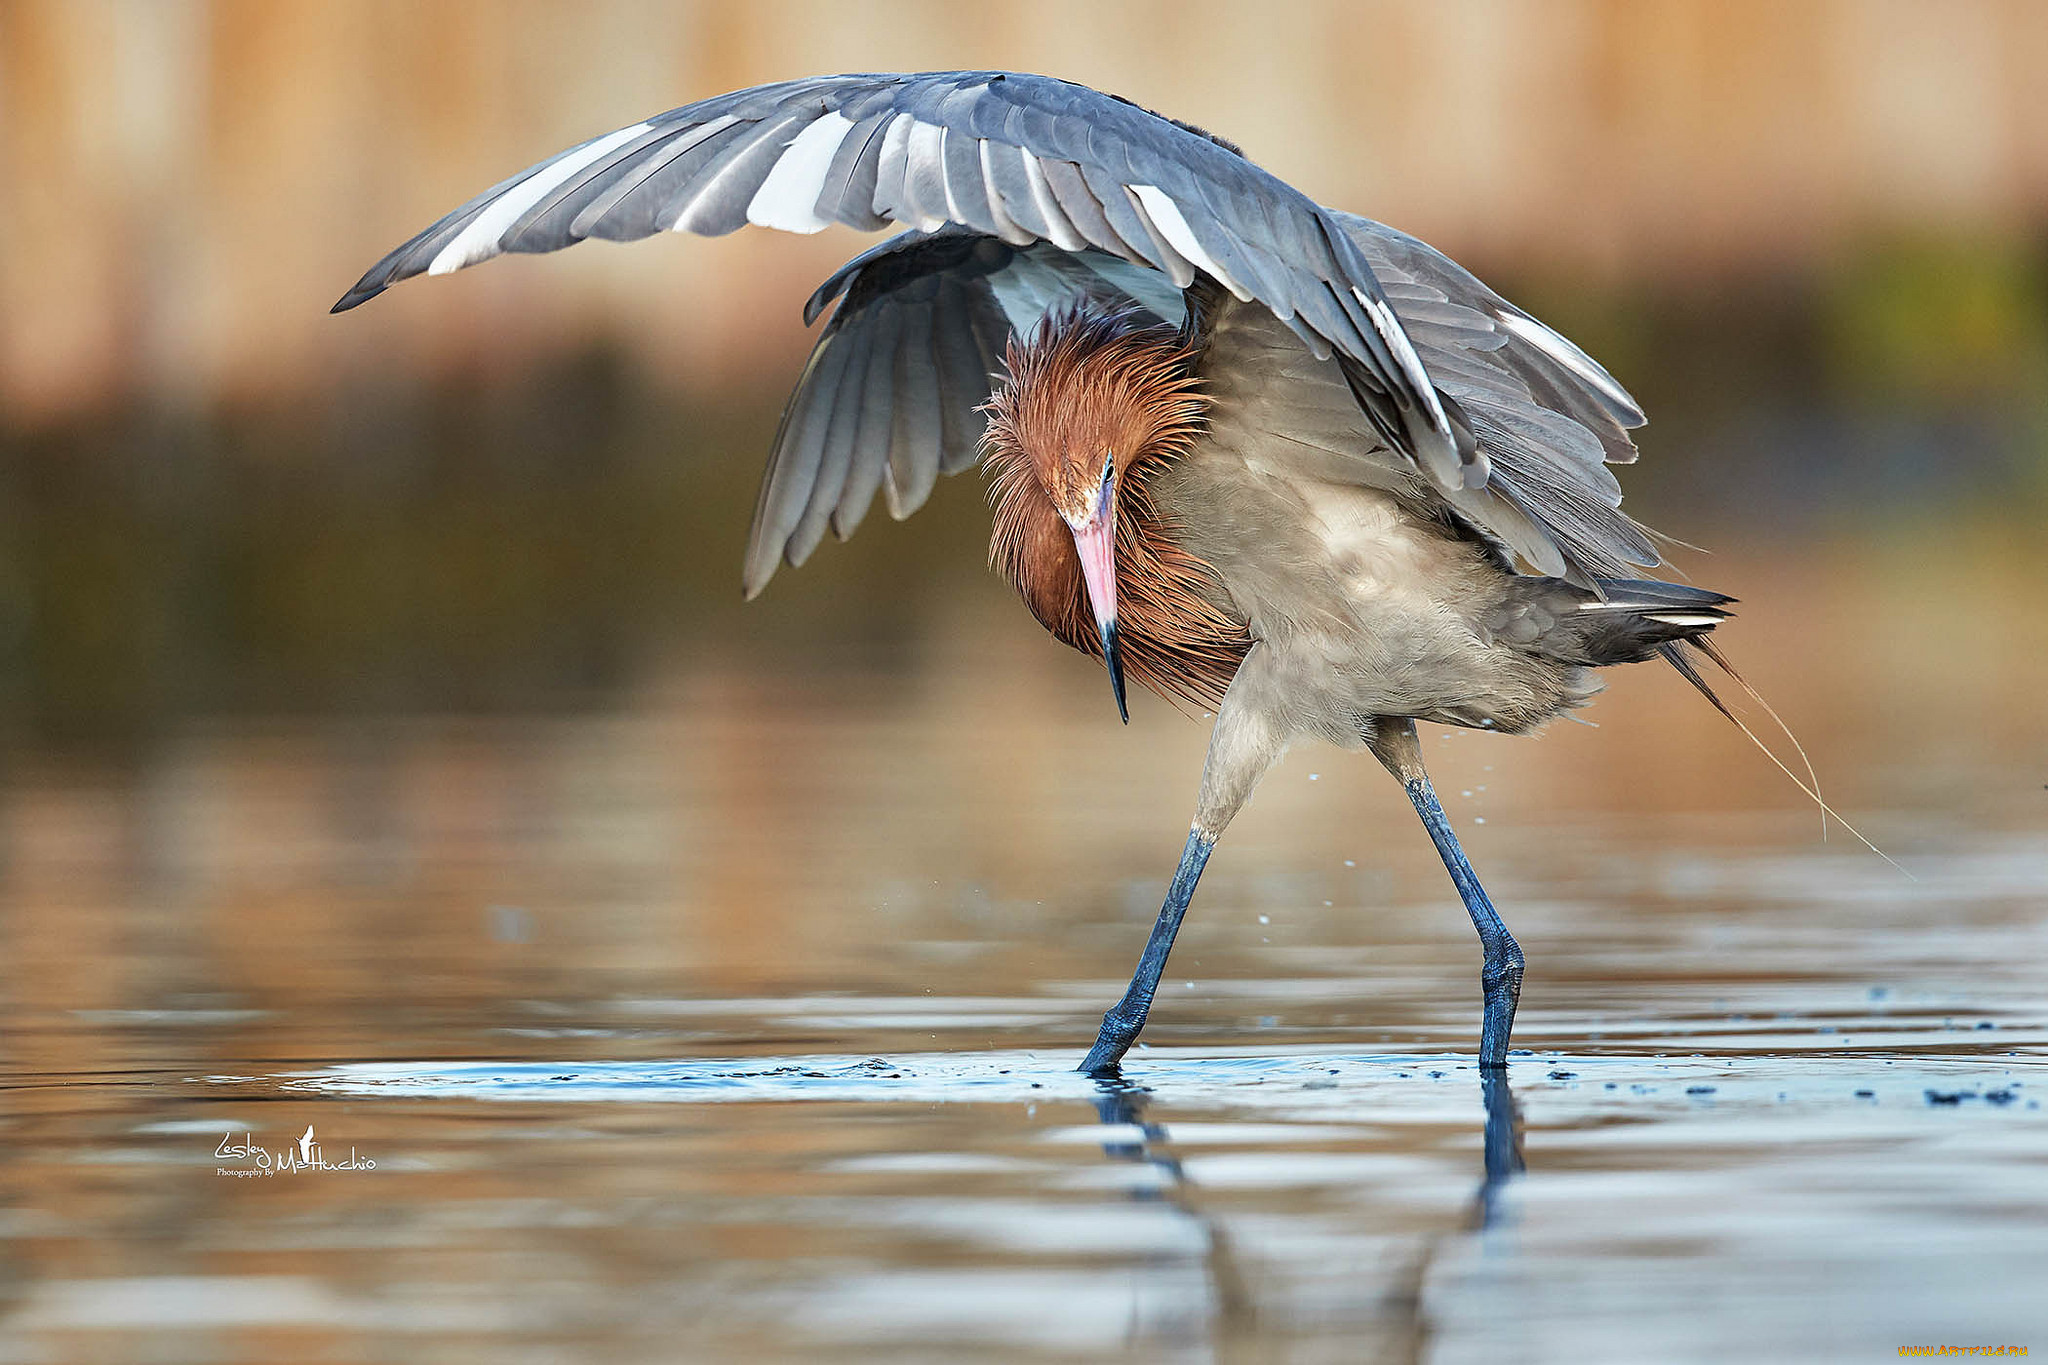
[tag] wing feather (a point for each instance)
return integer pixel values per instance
(924, 179)
(718, 202)
(792, 471)
(1480, 406)
(1082, 209)
(848, 189)
(916, 442)
(545, 226)
(643, 203)
(960, 375)
(1215, 213)
(842, 427)
(1548, 497)
(873, 429)
(1010, 186)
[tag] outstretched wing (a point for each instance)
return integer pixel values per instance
(1024, 159)
(1548, 419)
(891, 395)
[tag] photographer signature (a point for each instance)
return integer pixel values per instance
(303, 1155)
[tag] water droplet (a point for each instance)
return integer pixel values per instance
(1326, 902)
(1478, 819)
(1315, 777)
(1466, 792)
(1349, 863)
(1265, 919)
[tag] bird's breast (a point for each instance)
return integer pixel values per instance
(1299, 556)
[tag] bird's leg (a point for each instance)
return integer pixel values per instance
(1121, 1025)
(1500, 978)
(1243, 746)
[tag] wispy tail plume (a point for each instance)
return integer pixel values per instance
(1674, 654)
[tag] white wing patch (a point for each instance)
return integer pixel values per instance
(1396, 336)
(604, 203)
(1177, 267)
(889, 187)
(788, 198)
(1565, 353)
(926, 151)
(1065, 235)
(1165, 215)
(1007, 227)
(953, 212)
(479, 241)
(1669, 616)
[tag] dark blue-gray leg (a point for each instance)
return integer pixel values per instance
(1244, 744)
(1121, 1025)
(1500, 978)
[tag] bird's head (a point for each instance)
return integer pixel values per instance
(1091, 399)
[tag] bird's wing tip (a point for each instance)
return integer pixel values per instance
(355, 297)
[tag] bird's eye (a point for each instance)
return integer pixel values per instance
(1108, 467)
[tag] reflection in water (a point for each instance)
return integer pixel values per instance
(1503, 1144)
(1121, 1106)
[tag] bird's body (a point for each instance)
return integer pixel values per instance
(1361, 603)
(1254, 576)
(1263, 456)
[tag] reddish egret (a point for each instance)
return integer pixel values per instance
(1260, 455)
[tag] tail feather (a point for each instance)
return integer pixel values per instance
(1626, 621)
(1675, 655)
(1632, 619)
(1642, 615)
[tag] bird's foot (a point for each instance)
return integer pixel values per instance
(1119, 1030)
(1501, 983)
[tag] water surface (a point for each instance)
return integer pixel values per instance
(733, 1017)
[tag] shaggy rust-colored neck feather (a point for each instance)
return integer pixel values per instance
(1088, 388)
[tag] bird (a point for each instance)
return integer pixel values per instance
(1267, 458)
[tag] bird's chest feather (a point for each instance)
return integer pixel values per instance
(1362, 607)
(1300, 556)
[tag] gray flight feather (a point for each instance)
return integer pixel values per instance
(916, 441)
(874, 432)
(1035, 193)
(1094, 152)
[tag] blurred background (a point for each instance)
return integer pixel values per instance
(377, 686)
(269, 578)
(368, 599)
(1809, 237)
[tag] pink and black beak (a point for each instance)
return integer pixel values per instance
(1095, 540)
